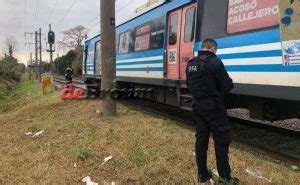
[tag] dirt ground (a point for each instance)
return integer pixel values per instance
(145, 149)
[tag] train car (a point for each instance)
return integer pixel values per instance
(259, 43)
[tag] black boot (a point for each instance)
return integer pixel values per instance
(203, 179)
(231, 181)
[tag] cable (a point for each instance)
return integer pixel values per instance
(25, 17)
(52, 11)
(125, 6)
(61, 20)
(35, 14)
(90, 22)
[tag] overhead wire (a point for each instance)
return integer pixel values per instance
(62, 19)
(25, 17)
(118, 10)
(90, 22)
(35, 14)
(52, 11)
(125, 6)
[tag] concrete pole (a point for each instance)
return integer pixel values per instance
(108, 55)
(36, 51)
(41, 60)
(30, 68)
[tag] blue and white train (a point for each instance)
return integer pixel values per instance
(154, 47)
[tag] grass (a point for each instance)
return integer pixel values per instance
(145, 149)
(13, 94)
(82, 154)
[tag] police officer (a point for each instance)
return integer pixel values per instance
(69, 75)
(208, 82)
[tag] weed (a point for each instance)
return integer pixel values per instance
(168, 122)
(82, 154)
(137, 157)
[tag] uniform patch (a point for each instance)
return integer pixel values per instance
(192, 69)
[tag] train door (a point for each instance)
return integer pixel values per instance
(180, 42)
(187, 40)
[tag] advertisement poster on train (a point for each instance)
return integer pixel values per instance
(290, 31)
(142, 38)
(244, 15)
(291, 52)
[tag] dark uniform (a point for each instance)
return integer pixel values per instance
(69, 75)
(209, 82)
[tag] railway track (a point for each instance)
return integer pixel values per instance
(59, 80)
(276, 142)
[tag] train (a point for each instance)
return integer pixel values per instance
(258, 42)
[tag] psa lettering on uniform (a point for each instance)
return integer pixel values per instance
(192, 69)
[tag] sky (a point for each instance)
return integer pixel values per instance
(20, 16)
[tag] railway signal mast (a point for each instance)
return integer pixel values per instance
(108, 56)
(51, 41)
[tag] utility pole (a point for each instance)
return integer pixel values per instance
(30, 68)
(40, 63)
(108, 56)
(36, 49)
(33, 65)
(57, 64)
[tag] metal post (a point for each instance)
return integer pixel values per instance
(57, 64)
(36, 49)
(40, 63)
(30, 68)
(108, 56)
(51, 51)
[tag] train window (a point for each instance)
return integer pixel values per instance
(124, 42)
(214, 19)
(97, 63)
(142, 40)
(98, 53)
(189, 24)
(157, 33)
(91, 53)
(117, 43)
(173, 29)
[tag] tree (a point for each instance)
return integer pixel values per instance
(61, 63)
(11, 45)
(73, 37)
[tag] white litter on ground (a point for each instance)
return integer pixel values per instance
(256, 174)
(28, 133)
(88, 181)
(38, 133)
(106, 159)
(295, 167)
(194, 153)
